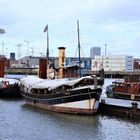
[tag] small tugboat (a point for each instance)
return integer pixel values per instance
(9, 88)
(128, 89)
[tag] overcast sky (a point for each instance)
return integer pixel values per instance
(112, 22)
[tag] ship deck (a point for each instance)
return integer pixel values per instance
(119, 102)
(120, 107)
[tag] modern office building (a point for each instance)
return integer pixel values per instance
(95, 51)
(113, 63)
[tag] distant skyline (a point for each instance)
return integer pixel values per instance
(111, 22)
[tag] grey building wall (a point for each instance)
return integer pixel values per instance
(31, 61)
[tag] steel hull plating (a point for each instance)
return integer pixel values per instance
(10, 92)
(83, 101)
(124, 96)
(121, 95)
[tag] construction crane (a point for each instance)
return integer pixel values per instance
(28, 42)
(3, 47)
(28, 46)
(19, 50)
(32, 51)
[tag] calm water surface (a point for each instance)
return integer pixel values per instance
(21, 122)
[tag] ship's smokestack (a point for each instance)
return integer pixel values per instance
(2, 67)
(42, 68)
(61, 61)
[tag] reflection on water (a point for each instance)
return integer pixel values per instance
(19, 121)
(62, 126)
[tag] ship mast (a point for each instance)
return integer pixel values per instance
(79, 48)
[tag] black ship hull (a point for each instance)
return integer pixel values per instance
(10, 92)
(80, 101)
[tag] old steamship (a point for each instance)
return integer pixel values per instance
(75, 95)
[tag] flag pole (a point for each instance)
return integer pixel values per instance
(47, 53)
(79, 48)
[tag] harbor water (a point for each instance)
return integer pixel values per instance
(19, 121)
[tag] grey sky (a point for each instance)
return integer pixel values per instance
(111, 22)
